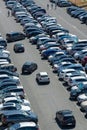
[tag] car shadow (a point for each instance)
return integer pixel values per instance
(26, 73)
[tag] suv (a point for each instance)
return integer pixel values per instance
(65, 118)
(14, 36)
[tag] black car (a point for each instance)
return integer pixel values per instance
(65, 118)
(19, 47)
(14, 36)
(29, 67)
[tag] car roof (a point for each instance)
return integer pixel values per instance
(28, 63)
(78, 77)
(43, 73)
(66, 112)
(13, 33)
(22, 124)
(10, 64)
(14, 112)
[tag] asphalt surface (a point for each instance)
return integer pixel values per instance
(45, 99)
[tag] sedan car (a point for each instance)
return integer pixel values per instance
(42, 77)
(19, 47)
(28, 67)
(65, 118)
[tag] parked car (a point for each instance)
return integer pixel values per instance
(14, 36)
(65, 118)
(46, 53)
(3, 43)
(9, 67)
(16, 100)
(83, 106)
(77, 90)
(42, 77)
(76, 79)
(23, 125)
(9, 73)
(29, 67)
(12, 107)
(19, 90)
(19, 47)
(18, 116)
(81, 98)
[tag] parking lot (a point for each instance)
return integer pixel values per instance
(45, 99)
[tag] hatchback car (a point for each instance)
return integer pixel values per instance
(28, 67)
(19, 47)
(42, 77)
(65, 118)
(14, 36)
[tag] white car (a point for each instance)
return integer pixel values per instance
(7, 107)
(16, 100)
(67, 75)
(42, 77)
(76, 79)
(83, 106)
(81, 98)
(62, 73)
(19, 90)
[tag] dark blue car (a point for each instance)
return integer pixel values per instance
(48, 52)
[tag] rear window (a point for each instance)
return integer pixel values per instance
(68, 117)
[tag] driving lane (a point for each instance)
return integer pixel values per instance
(45, 100)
